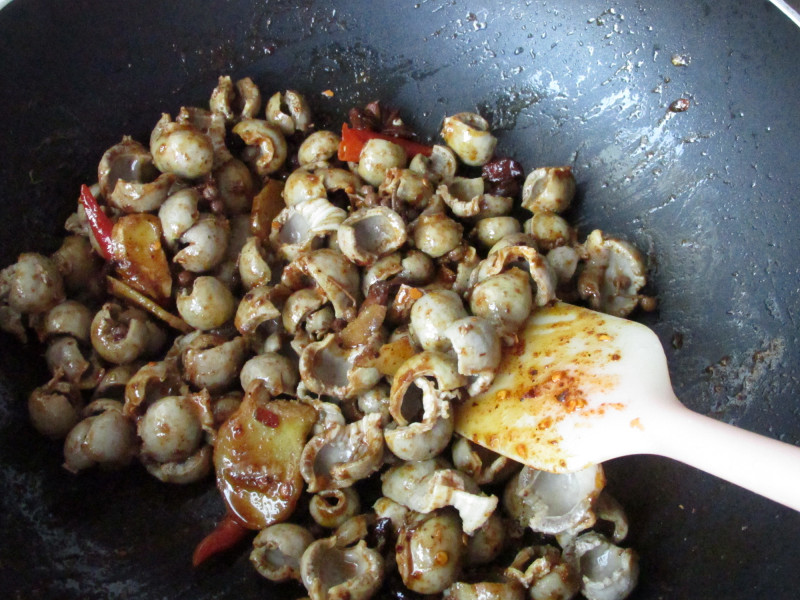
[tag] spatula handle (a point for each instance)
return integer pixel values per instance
(755, 462)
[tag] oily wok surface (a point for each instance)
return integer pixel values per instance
(710, 194)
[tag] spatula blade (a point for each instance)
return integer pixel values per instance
(573, 391)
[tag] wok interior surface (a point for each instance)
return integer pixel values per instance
(710, 194)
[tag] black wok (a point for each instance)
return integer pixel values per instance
(709, 193)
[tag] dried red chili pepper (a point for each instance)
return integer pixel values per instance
(99, 222)
(266, 417)
(225, 536)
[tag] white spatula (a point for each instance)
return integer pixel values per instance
(582, 387)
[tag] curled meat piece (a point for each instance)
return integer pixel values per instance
(266, 205)
(469, 136)
(206, 243)
(330, 369)
(491, 230)
(331, 508)
(377, 158)
(429, 436)
(436, 234)
(335, 179)
(514, 239)
(332, 274)
(428, 364)
(289, 112)
(213, 362)
(65, 356)
(357, 528)
(211, 124)
(608, 572)
(554, 503)
(79, 266)
(32, 284)
(487, 542)
(477, 347)
(301, 227)
(462, 195)
(266, 146)
(67, 318)
(608, 509)
(343, 454)
(376, 400)
(55, 408)
(277, 550)
(134, 196)
(112, 383)
(173, 431)
(254, 270)
(105, 437)
(328, 413)
(178, 213)
(439, 167)
(612, 275)
(224, 406)
(318, 147)
(432, 314)
(127, 160)
(396, 513)
(495, 206)
(235, 186)
(407, 190)
(550, 230)
(302, 185)
(277, 374)
(152, 381)
(120, 335)
(548, 189)
(368, 234)
(545, 572)
(181, 149)
(208, 304)
(466, 260)
(129, 180)
(483, 465)
(505, 300)
(242, 101)
(430, 551)
(299, 308)
(527, 257)
(564, 261)
(427, 485)
(332, 571)
(256, 309)
(413, 266)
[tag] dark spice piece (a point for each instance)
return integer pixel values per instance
(376, 117)
(503, 177)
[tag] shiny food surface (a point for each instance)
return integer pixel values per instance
(556, 375)
(257, 458)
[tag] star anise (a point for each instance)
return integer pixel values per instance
(376, 117)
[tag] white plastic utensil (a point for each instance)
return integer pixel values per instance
(582, 387)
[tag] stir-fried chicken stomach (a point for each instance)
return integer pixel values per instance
(299, 312)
